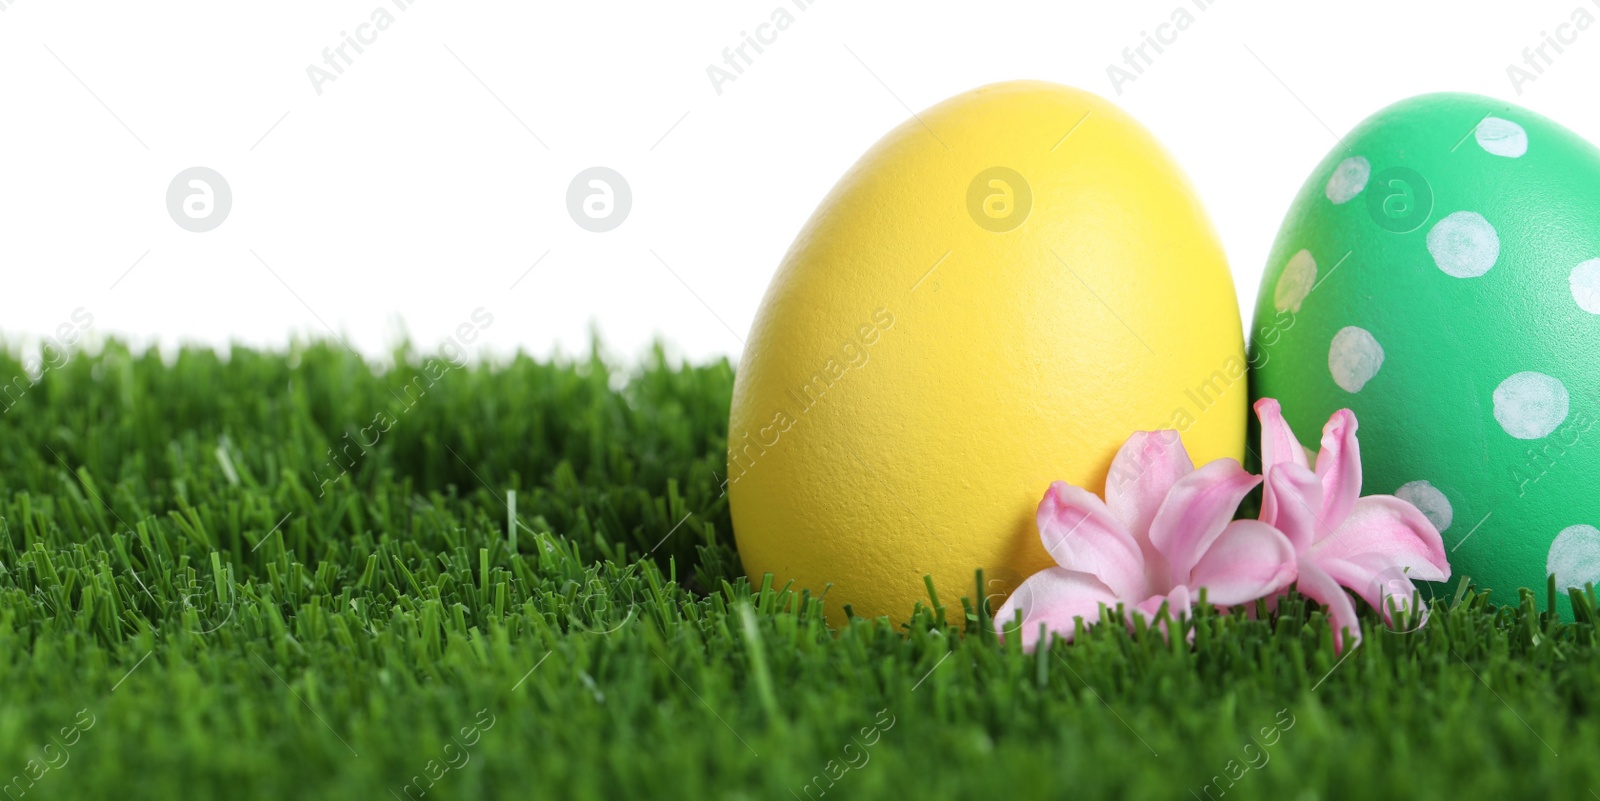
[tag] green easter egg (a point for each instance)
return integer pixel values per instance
(1439, 275)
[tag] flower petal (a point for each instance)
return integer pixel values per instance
(1180, 604)
(1142, 474)
(1316, 584)
(1081, 534)
(1249, 560)
(1278, 447)
(1200, 505)
(1389, 527)
(1295, 495)
(1054, 597)
(1278, 444)
(1339, 467)
(1383, 585)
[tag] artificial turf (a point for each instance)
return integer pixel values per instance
(298, 575)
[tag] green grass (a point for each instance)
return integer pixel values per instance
(175, 573)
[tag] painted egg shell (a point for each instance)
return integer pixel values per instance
(994, 297)
(1439, 274)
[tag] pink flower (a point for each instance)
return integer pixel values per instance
(1375, 545)
(1164, 532)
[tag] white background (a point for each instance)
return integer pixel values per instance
(411, 190)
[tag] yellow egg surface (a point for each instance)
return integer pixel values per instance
(993, 298)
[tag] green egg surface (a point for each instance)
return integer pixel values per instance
(1439, 275)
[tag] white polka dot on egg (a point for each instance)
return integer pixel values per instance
(1354, 357)
(1530, 405)
(1295, 283)
(1348, 179)
(1464, 245)
(1501, 137)
(1575, 557)
(1428, 500)
(1585, 282)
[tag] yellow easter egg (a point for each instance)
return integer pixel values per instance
(993, 298)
